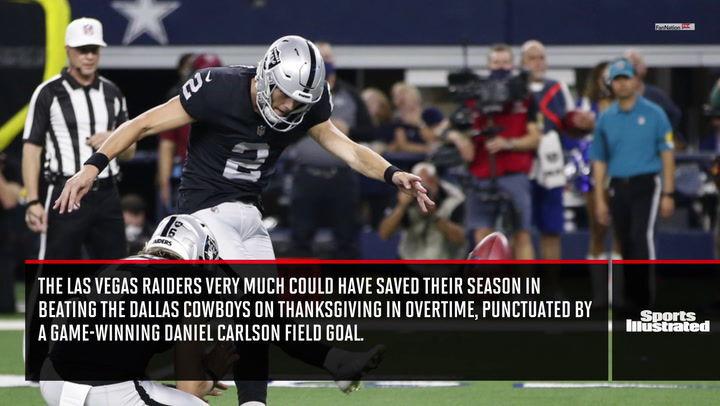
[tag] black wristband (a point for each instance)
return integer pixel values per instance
(389, 172)
(32, 203)
(98, 160)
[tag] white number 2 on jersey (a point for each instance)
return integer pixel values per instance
(192, 85)
(246, 159)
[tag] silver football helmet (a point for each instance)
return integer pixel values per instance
(182, 236)
(295, 66)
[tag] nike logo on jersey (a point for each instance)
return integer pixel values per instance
(207, 77)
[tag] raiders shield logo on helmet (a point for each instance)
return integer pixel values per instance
(210, 250)
(274, 58)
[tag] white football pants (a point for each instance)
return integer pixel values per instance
(239, 231)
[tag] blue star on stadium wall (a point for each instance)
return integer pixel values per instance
(145, 17)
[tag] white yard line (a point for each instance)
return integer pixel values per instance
(13, 381)
(614, 385)
(12, 325)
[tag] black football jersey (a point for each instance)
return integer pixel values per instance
(118, 360)
(232, 152)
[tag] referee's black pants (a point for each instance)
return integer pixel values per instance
(634, 205)
(98, 225)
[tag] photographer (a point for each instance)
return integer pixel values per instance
(502, 152)
(433, 235)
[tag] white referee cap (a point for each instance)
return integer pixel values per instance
(84, 31)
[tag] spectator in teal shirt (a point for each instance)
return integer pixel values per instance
(633, 144)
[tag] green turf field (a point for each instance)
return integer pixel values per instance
(470, 393)
(474, 393)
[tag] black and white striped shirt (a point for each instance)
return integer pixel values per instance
(63, 114)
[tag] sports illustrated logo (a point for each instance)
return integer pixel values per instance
(88, 29)
(260, 130)
(666, 322)
(674, 26)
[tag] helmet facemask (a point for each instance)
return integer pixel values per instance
(277, 122)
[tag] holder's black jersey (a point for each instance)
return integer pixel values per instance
(115, 359)
(232, 152)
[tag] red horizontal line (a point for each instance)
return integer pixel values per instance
(315, 262)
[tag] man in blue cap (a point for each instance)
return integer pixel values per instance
(633, 145)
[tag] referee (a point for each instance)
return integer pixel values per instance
(633, 143)
(69, 117)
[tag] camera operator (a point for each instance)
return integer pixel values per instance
(502, 151)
